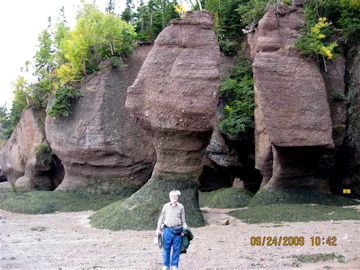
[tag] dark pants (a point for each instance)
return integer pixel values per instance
(171, 238)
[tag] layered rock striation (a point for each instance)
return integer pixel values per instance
(293, 123)
(102, 148)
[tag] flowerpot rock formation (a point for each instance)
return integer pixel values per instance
(175, 96)
(293, 123)
(174, 99)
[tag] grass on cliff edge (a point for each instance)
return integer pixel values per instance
(45, 202)
(277, 213)
(141, 210)
(225, 198)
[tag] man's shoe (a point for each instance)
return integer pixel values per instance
(174, 268)
(165, 268)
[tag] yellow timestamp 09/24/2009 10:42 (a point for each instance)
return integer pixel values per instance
(292, 240)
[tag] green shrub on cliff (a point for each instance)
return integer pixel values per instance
(344, 15)
(316, 42)
(327, 24)
(64, 97)
(238, 92)
(43, 153)
(338, 96)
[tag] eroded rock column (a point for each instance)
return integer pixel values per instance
(293, 124)
(175, 95)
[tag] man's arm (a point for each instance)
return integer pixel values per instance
(183, 220)
(160, 220)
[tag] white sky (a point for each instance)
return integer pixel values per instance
(21, 21)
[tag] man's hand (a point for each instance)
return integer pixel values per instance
(182, 234)
(158, 232)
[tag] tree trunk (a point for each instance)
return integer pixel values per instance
(151, 20)
(112, 48)
(162, 14)
(200, 6)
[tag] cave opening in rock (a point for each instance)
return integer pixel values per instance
(57, 172)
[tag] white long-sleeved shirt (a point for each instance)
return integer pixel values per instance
(172, 215)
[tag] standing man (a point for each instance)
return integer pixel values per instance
(172, 218)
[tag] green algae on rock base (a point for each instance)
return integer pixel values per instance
(141, 210)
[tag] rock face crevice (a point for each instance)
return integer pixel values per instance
(335, 85)
(102, 148)
(293, 123)
(347, 164)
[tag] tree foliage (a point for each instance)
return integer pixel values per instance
(343, 14)
(251, 11)
(64, 97)
(315, 42)
(350, 19)
(110, 7)
(5, 126)
(97, 36)
(328, 24)
(232, 16)
(238, 92)
(151, 18)
(64, 56)
(127, 14)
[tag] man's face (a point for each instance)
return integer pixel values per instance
(174, 198)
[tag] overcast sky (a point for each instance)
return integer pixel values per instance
(21, 22)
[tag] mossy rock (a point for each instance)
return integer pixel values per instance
(43, 153)
(276, 213)
(45, 202)
(141, 210)
(299, 195)
(122, 186)
(225, 198)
